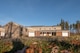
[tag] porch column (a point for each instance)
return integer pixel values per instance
(41, 33)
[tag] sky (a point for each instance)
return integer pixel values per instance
(39, 12)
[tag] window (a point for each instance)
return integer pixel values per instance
(44, 32)
(40, 32)
(48, 32)
(40, 28)
(53, 33)
(26, 30)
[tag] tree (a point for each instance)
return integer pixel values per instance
(74, 26)
(62, 24)
(66, 25)
(21, 30)
(70, 26)
(78, 27)
(10, 34)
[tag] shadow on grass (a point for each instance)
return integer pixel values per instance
(17, 45)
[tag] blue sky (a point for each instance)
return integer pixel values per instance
(39, 12)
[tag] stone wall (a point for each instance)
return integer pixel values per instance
(14, 30)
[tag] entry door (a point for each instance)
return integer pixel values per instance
(53, 33)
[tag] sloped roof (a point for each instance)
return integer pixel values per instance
(12, 23)
(53, 30)
(43, 26)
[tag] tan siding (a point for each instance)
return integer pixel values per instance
(44, 28)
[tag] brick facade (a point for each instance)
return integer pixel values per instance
(37, 33)
(58, 33)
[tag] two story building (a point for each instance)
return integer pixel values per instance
(13, 30)
(47, 31)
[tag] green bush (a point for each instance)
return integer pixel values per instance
(5, 46)
(64, 44)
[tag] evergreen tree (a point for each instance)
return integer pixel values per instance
(62, 24)
(66, 25)
(74, 26)
(78, 27)
(70, 26)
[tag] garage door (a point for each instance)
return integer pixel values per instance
(65, 34)
(31, 34)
